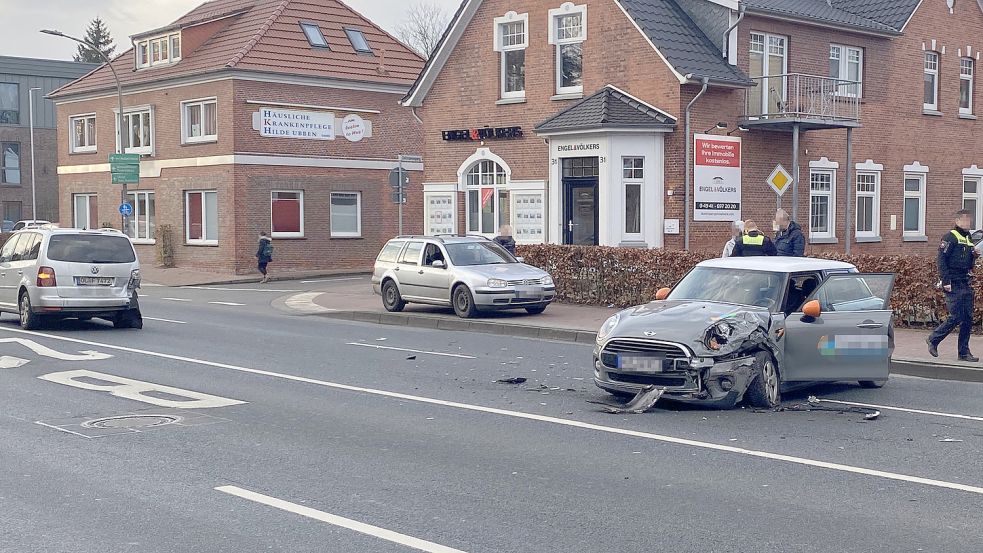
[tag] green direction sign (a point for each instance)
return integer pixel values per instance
(126, 178)
(125, 168)
(124, 159)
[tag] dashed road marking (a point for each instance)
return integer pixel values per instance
(175, 299)
(332, 280)
(165, 320)
(230, 303)
(407, 350)
(217, 289)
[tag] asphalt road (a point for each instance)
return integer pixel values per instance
(322, 435)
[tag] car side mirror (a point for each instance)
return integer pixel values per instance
(520, 260)
(812, 309)
(438, 264)
(662, 294)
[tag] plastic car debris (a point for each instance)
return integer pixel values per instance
(642, 402)
(514, 380)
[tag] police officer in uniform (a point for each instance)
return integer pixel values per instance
(956, 258)
(753, 243)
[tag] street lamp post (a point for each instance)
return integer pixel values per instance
(119, 96)
(34, 190)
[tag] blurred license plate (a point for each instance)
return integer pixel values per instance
(648, 363)
(528, 292)
(94, 281)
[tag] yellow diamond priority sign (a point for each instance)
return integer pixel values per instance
(779, 180)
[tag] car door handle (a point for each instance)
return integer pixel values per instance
(870, 325)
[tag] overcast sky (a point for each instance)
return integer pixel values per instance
(22, 19)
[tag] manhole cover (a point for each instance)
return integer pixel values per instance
(131, 421)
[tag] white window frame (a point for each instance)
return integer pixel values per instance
(766, 85)
(874, 170)
(638, 181)
(143, 150)
(495, 197)
(358, 213)
(919, 172)
(204, 218)
(831, 202)
(969, 77)
(186, 137)
(568, 8)
(72, 146)
(932, 70)
(136, 212)
(161, 41)
(89, 198)
(275, 234)
(843, 59)
(510, 18)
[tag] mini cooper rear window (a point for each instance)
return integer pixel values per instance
(85, 248)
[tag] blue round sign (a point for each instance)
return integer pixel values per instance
(125, 209)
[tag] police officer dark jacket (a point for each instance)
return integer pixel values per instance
(752, 244)
(956, 257)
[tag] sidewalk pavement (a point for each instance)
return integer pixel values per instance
(173, 277)
(579, 323)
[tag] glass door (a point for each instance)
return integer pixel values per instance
(768, 64)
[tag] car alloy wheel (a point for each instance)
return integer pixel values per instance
(770, 376)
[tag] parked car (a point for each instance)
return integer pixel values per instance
(31, 223)
(63, 273)
(470, 274)
(749, 328)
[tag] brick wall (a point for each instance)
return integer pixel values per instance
(46, 178)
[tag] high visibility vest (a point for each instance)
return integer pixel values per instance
(758, 240)
(963, 240)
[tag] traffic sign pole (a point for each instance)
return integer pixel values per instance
(402, 197)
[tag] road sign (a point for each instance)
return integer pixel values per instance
(125, 159)
(126, 178)
(398, 178)
(411, 159)
(779, 180)
(398, 197)
(125, 210)
(125, 168)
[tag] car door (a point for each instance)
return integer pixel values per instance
(24, 262)
(434, 282)
(408, 269)
(853, 337)
(8, 289)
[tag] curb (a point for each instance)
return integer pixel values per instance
(899, 366)
(254, 280)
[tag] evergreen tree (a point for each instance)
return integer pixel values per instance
(98, 35)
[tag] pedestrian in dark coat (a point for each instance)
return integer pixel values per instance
(790, 242)
(264, 254)
(956, 258)
(505, 239)
(754, 243)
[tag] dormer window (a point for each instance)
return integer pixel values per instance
(314, 35)
(357, 38)
(159, 50)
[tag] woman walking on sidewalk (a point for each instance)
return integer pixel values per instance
(264, 254)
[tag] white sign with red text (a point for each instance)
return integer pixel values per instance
(717, 178)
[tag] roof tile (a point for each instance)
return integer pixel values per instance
(606, 108)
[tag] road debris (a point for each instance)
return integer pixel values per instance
(642, 402)
(949, 440)
(513, 380)
(816, 404)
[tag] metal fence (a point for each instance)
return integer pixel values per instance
(794, 95)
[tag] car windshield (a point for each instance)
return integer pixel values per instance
(464, 254)
(759, 288)
(91, 248)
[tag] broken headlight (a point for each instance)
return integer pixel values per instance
(608, 327)
(718, 335)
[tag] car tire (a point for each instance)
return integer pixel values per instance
(29, 320)
(131, 318)
(872, 384)
(392, 300)
(463, 302)
(536, 310)
(766, 385)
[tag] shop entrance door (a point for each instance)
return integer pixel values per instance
(580, 201)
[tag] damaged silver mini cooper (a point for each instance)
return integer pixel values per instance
(738, 329)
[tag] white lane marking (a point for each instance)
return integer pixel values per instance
(332, 280)
(164, 320)
(136, 389)
(354, 525)
(63, 429)
(411, 350)
(48, 352)
(530, 416)
(905, 409)
(151, 285)
(238, 289)
(175, 299)
(305, 303)
(230, 303)
(8, 362)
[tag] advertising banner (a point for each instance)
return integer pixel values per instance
(717, 178)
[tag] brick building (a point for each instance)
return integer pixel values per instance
(569, 120)
(266, 115)
(17, 77)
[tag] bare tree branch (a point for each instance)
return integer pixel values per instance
(424, 25)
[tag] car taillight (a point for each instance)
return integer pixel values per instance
(46, 277)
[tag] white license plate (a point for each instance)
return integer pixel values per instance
(95, 281)
(640, 363)
(528, 292)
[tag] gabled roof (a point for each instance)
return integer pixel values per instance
(868, 16)
(264, 36)
(893, 13)
(608, 108)
(675, 37)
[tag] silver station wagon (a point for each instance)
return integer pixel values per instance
(63, 273)
(469, 273)
(748, 328)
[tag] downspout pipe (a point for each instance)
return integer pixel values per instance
(689, 160)
(741, 8)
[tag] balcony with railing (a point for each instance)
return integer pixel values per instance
(808, 101)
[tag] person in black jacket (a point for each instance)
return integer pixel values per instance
(264, 255)
(505, 239)
(753, 243)
(957, 255)
(790, 242)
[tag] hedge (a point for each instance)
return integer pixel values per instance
(622, 277)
